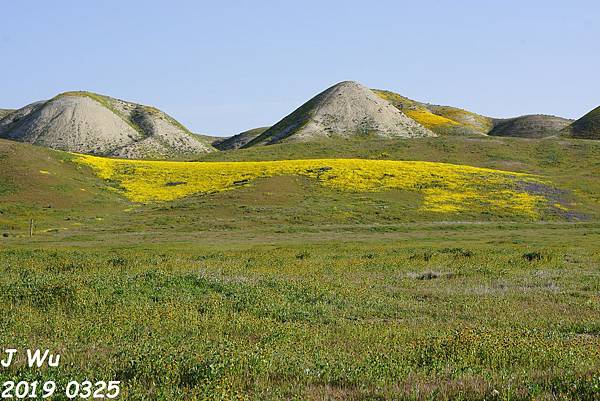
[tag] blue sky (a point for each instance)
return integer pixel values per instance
(223, 67)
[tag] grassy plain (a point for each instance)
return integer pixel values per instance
(374, 319)
(289, 289)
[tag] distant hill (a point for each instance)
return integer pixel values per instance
(86, 122)
(347, 109)
(443, 120)
(239, 140)
(210, 139)
(587, 127)
(448, 120)
(531, 126)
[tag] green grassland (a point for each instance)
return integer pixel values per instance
(71, 201)
(571, 164)
(287, 289)
(334, 320)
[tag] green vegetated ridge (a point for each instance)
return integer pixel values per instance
(448, 120)
(587, 127)
(67, 199)
(533, 126)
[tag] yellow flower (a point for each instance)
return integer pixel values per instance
(446, 188)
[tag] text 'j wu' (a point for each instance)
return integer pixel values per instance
(35, 358)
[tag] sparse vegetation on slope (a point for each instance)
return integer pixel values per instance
(443, 120)
(474, 122)
(345, 110)
(90, 123)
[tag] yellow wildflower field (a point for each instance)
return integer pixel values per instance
(445, 187)
(428, 119)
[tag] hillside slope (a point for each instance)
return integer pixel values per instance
(239, 140)
(44, 185)
(443, 120)
(66, 199)
(448, 120)
(345, 110)
(587, 127)
(465, 188)
(531, 126)
(85, 122)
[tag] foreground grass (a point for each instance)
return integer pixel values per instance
(322, 321)
(342, 305)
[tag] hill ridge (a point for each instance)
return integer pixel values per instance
(529, 126)
(239, 140)
(443, 120)
(87, 122)
(344, 110)
(586, 127)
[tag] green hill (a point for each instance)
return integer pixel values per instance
(67, 199)
(587, 127)
(532, 126)
(44, 185)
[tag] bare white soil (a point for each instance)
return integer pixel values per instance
(346, 109)
(79, 123)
